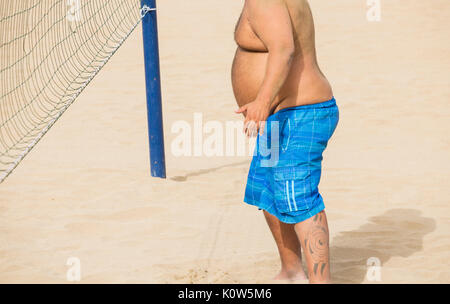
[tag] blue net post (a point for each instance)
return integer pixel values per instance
(153, 89)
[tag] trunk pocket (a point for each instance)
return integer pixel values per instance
(292, 189)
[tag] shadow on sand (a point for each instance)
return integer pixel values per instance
(183, 178)
(395, 233)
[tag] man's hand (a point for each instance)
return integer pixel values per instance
(256, 114)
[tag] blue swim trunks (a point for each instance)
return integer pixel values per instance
(285, 171)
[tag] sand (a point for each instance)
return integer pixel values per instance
(85, 190)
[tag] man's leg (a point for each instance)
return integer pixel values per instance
(289, 249)
(314, 237)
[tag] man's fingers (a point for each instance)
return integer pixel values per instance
(262, 126)
(246, 125)
(250, 128)
(246, 121)
(241, 109)
(256, 129)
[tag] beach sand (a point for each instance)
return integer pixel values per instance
(85, 191)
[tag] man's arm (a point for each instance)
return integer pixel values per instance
(271, 21)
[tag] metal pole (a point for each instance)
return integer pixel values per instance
(153, 89)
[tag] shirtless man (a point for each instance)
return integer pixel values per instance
(276, 79)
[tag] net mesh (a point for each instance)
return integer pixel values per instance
(49, 51)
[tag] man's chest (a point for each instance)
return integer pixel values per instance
(245, 36)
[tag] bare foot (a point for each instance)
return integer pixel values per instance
(295, 275)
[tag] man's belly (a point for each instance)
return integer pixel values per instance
(247, 75)
(304, 84)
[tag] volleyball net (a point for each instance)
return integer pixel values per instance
(49, 52)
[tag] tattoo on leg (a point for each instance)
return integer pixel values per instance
(316, 242)
(322, 269)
